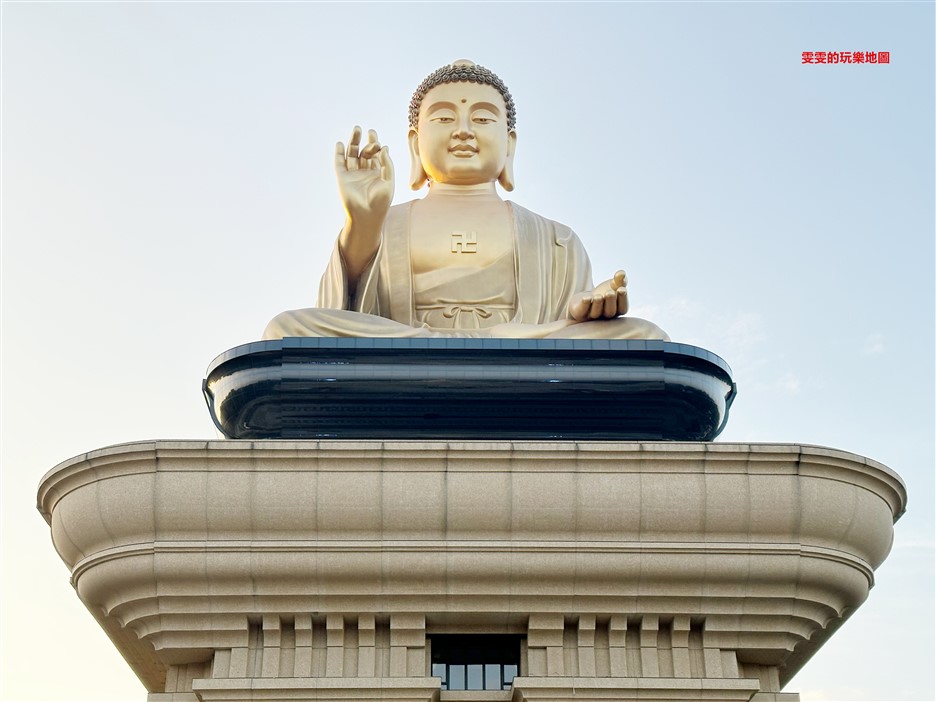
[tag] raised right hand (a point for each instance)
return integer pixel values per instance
(365, 179)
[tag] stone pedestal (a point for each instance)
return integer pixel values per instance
(305, 570)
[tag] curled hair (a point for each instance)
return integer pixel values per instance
(462, 73)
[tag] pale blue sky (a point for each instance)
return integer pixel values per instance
(167, 188)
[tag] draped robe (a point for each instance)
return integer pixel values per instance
(550, 267)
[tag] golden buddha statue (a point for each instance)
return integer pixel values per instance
(461, 261)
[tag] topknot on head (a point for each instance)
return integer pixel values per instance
(462, 71)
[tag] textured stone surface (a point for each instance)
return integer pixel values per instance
(211, 563)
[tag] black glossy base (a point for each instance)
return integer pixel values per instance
(311, 388)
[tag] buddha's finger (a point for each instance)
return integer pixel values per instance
(597, 307)
(620, 280)
(578, 310)
(610, 304)
(340, 163)
(354, 152)
(354, 142)
(373, 156)
(373, 144)
(386, 165)
(623, 304)
(372, 147)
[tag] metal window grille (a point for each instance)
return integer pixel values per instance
(475, 661)
(475, 676)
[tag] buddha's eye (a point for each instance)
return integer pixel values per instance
(482, 120)
(443, 117)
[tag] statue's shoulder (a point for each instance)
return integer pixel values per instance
(561, 233)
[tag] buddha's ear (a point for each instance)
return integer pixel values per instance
(506, 177)
(418, 175)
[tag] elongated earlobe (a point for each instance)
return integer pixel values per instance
(418, 175)
(506, 177)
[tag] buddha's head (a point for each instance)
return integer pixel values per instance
(461, 132)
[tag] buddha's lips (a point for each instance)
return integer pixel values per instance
(463, 148)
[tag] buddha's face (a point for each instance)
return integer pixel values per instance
(462, 138)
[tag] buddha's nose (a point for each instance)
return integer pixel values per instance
(463, 129)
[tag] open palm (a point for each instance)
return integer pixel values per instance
(365, 177)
